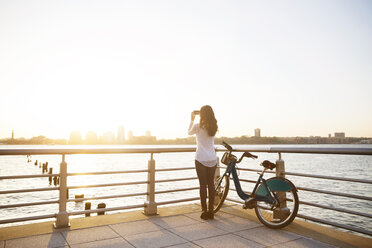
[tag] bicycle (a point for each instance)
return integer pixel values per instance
(275, 200)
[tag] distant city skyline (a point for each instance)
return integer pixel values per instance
(291, 68)
(119, 137)
(108, 138)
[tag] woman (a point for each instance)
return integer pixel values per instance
(205, 157)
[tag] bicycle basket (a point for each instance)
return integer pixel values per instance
(225, 158)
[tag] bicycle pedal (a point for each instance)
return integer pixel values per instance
(249, 204)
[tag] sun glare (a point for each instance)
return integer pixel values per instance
(146, 68)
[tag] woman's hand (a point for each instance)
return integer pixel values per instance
(192, 116)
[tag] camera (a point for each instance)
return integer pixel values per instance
(196, 112)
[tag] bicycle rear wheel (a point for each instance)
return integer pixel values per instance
(283, 213)
(221, 192)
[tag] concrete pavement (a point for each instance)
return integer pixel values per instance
(178, 227)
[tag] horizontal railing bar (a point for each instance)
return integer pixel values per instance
(27, 204)
(254, 170)
(245, 180)
(105, 197)
(361, 197)
(247, 192)
(323, 191)
(177, 201)
(106, 185)
(175, 180)
(320, 206)
(28, 218)
(175, 190)
(346, 179)
(56, 151)
(27, 190)
(27, 176)
(359, 230)
(233, 200)
(351, 228)
(105, 172)
(335, 209)
(314, 150)
(175, 169)
(105, 209)
(249, 148)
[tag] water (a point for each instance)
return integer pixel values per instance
(351, 166)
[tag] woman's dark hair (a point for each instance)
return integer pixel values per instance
(207, 120)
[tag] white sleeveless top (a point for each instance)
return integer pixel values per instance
(205, 151)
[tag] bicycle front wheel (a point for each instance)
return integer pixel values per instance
(279, 214)
(221, 192)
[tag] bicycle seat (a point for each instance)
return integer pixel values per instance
(268, 165)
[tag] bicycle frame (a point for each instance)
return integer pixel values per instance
(266, 196)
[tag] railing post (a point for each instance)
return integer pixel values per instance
(283, 212)
(62, 216)
(150, 204)
(280, 169)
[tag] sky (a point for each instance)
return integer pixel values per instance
(290, 68)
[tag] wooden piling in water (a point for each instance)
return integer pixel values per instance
(101, 205)
(88, 207)
(56, 180)
(45, 167)
(50, 177)
(79, 196)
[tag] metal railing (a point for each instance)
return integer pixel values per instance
(280, 172)
(62, 217)
(150, 205)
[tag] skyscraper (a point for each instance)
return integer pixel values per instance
(91, 138)
(340, 135)
(257, 132)
(75, 138)
(121, 135)
(130, 135)
(108, 138)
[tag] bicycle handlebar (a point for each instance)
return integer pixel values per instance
(248, 155)
(227, 146)
(245, 154)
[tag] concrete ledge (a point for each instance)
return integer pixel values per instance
(310, 230)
